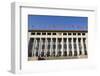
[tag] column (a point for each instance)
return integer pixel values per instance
(72, 46)
(86, 44)
(67, 46)
(33, 47)
(77, 44)
(62, 47)
(51, 47)
(46, 44)
(86, 41)
(82, 46)
(56, 46)
(40, 45)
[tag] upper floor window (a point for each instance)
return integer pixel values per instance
(54, 33)
(38, 33)
(64, 33)
(83, 33)
(44, 33)
(49, 33)
(79, 33)
(74, 33)
(69, 33)
(33, 33)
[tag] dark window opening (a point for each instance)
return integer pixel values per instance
(64, 33)
(48, 33)
(65, 53)
(69, 33)
(83, 33)
(79, 33)
(38, 33)
(85, 52)
(70, 53)
(36, 53)
(54, 39)
(70, 45)
(53, 53)
(59, 39)
(75, 53)
(74, 33)
(33, 33)
(43, 33)
(65, 39)
(54, 33)
(59, 53)
(80, 52)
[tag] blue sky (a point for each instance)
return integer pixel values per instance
(47, 22)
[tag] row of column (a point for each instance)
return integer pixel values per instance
(57, 47)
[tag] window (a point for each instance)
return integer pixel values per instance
(80, 52)
(53, 53)
(75, 53)
(54, 46)
(64, 33)
(43, 39)
(33, 33)
(74, 44)
(54, 43)
(80, 47)
(65, 53)
(59, 39)
(59, 45)
(38, 40)
(44, 33)
(65, 44)
(54, 33)
(43, 46)
(49, 43)
(69, 33)
(65, 39)
(85, 50)
(79, 33)
(38, 33)
(70, 45)
(74, 33)
(49, 33)
(83, 33)
(70, 53)
(36, 53)
(54, 39)
(59, 53)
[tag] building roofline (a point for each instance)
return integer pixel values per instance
(57, 31)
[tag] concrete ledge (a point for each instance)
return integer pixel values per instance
(58, 57)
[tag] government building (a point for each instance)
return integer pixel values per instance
(58, 44)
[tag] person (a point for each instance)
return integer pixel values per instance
(41, 57)
(48, 53)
